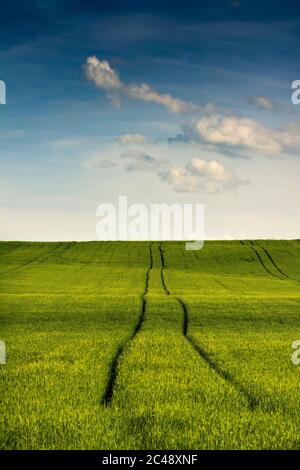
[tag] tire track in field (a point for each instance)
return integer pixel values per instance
(163, 266)
(280, 272)
(114, 366)
(262, 263)
(224, 374)
(277, 267)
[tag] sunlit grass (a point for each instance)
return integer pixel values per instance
(65, 309)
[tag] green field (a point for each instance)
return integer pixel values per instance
(148, 346)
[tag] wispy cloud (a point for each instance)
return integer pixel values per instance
(141, 161)
(101, 73)
(262, 102)
(105, 159)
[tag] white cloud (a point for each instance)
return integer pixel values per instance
(213, 170)
(242, 135)
(180, 180)
(239, 132)
(129, 139)
(144, 92)
(100, 72)
(238, 136)
(202, 176)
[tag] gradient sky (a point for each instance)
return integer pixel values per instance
(160, 101)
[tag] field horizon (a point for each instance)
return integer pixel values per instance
(266, 239)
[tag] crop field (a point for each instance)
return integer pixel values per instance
(114, 345)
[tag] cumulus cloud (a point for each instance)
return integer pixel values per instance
(141, 161)
(201, 176)
(213, 170)
(131, 139)
(242, 136)
(238, 132)
(180, 180)
(101, 73)
(262, 102)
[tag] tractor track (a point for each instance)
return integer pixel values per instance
(225, 375)
(163, 266)
(262, 263)
(108, 395)
(114, 366)
(281, 274)
(277, 267)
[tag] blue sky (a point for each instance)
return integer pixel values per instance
(214, 125)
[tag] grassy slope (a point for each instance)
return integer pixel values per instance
(211, 371)
(245, 320)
